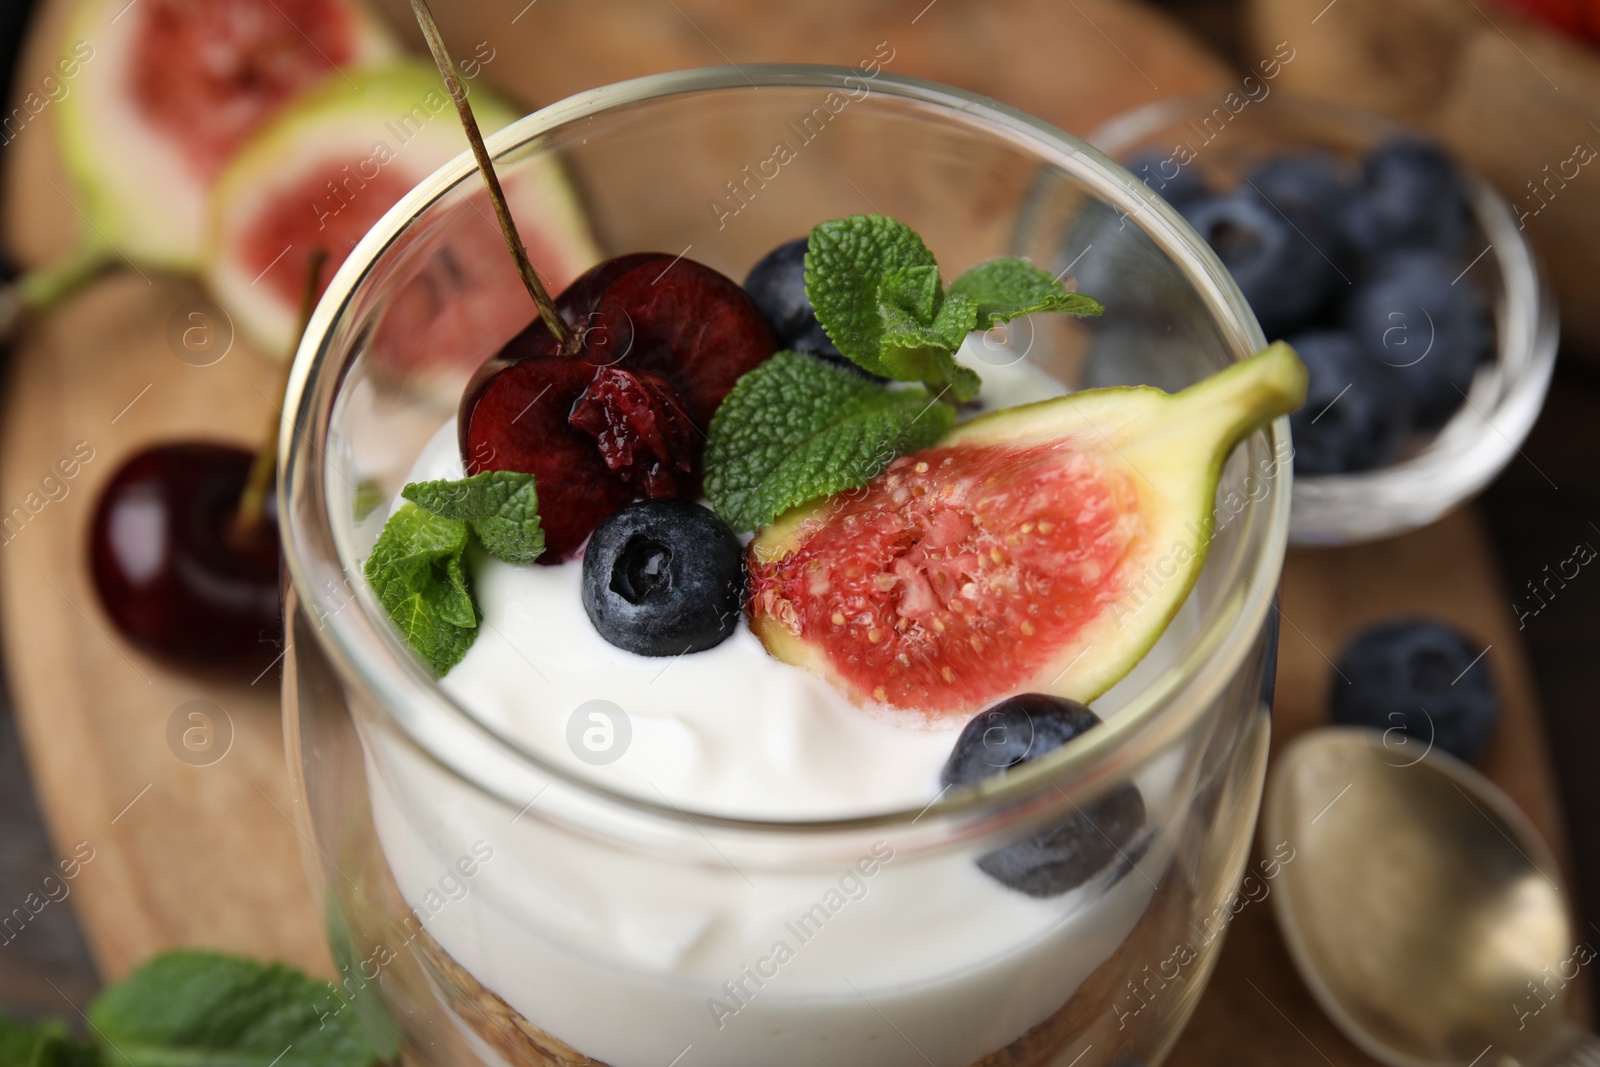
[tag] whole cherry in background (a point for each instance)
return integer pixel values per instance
(184, 550)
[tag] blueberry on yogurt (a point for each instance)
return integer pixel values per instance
(664, 577)
(1058, 858)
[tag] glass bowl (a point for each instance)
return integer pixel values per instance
(487, 902)
(1222, 141)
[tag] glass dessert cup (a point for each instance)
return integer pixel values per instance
(486, 903)
(1444, 467)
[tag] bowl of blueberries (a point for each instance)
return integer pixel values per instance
(1401, 278)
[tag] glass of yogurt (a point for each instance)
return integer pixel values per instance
(563, 853)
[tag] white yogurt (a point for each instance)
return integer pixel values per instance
(637, 962)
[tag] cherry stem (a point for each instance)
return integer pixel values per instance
(253, 501)
(508, 228)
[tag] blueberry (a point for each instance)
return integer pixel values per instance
(1314, 183)
(663, 577)
(1357, 411)
(1272, 252)
(1412, 196)
(1422, 677)
(1064, 856)
(1416, 313)
(778, 286)
(1178, 185)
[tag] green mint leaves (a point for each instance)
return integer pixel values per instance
(188, 1008)
(416, 566)
(203, 1007)
(46, 1045)
(848, 262)
(416, 570)
(502, 507)
(1005, 289)
(795, 429)
(878, 294)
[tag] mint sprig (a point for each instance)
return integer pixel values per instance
(1005, 289)
(185, 1008)
(847, 262)
(878, 295)
(502, 507)
(795, 429)
(416, 570)
(188, 1008)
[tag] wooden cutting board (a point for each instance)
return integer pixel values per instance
(208, 855)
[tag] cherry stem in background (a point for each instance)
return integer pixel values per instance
(253, 501)
(447, 67)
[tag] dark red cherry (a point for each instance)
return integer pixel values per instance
(516, 419)
(169, 571)
(640, 428)
(692, 326)
(621, 413)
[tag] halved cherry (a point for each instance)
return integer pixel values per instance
(621, 413)
(691, 325)
(638, 424)
(516, 419)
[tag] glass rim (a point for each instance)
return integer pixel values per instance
(365, 654)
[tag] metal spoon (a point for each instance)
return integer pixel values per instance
(1421, 907)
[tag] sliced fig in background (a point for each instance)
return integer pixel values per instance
(331, 165)
(1038, 549)
(168, 90)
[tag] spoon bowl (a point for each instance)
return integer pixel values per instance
(1423, 909)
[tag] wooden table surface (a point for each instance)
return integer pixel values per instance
(208, 855)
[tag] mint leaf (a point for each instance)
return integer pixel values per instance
(847, 261)
(795, 429)
(1005, 289)
(911, 294)
(878, 295)
(17, 1042)
(415, 568)
(924, 352)
(188, 1008)
(502, 507)
(46, 1045)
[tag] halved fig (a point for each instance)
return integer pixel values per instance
(168, 90)
(332, 164)
(1042, 548)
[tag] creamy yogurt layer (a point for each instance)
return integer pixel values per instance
(635, 960)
